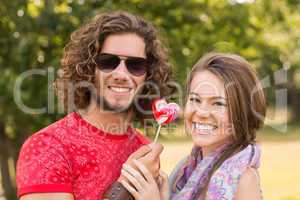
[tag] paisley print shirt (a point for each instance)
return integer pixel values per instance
(75, 157)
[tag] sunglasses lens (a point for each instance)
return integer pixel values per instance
(107, 62)
(136, 66)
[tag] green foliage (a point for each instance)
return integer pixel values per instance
(35, 32)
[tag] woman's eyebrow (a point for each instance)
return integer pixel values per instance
(218, 97)
(210, 97)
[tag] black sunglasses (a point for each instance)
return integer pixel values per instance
(109, 62)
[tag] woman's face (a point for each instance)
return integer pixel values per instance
(206, 111)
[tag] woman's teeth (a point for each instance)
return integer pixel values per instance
(120, 89)
(204, 127)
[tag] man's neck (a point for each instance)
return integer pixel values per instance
(108, 121)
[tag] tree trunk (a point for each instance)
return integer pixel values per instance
(294, 102)
(6, 181)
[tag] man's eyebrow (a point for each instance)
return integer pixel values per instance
(212, 97)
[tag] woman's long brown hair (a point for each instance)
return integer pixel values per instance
(246, 100)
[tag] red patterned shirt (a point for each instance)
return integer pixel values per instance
(75, 157)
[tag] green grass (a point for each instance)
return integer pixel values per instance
(280, 164)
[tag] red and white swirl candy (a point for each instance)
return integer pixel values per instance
(164, 112)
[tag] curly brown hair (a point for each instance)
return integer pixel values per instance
(78, 61)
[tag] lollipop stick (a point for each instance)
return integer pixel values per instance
(157, 133)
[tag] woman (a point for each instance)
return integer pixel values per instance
(224, 109)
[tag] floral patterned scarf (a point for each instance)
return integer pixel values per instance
(223, 183)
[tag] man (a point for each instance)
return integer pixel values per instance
(105, 68)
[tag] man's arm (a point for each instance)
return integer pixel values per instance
(41, 163)
(48, 196)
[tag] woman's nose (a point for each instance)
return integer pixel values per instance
(203, 110)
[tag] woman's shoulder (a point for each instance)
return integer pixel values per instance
(249, 185)
(233, 167)
(248, 157)
(227, 176)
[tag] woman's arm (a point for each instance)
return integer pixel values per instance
(148, 155)
(249, 186)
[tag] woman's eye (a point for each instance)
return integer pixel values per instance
(220, 104)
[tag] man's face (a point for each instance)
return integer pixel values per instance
(118, 88)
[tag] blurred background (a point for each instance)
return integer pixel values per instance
(266, 32)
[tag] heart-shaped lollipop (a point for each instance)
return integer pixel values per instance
(164, 113)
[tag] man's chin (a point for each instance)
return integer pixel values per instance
(113, 107)
(117, 108)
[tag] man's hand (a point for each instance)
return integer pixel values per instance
(151, 160)
(148, 155)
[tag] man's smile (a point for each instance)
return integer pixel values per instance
(120, 89)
